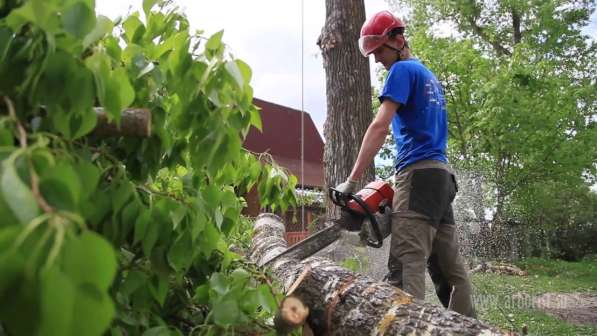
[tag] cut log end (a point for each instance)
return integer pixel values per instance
(292, 314)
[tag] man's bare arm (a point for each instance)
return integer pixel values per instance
(374, 138)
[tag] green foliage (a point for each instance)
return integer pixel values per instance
(495, 303)
(357, 264)
(129, 235)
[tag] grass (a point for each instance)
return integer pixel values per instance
(497, 303)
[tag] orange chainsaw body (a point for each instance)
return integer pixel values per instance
(375, 195)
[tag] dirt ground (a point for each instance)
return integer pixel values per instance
(575, 308)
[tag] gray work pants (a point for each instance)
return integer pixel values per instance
(423, 223)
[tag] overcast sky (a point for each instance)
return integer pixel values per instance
(267, 35)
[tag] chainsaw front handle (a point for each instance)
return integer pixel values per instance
(341, 199)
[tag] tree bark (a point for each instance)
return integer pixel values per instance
(517, 35)
(341, 302)
(348, 91)
(134, 122)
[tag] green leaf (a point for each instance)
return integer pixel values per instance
(57, 303)
(61, 121)
(159, 289)
(12, 264)
(256, 119)
(96, 209)
(147, 5)
(89, 176)
(152, 233)
(197, 225)
(131, 25)
(41, 13)
(19, 294)
(147, 69)
(158, 331)
(234, 71)
(8, 218)
(17, 194)
(82, 123)
(6, 38)
(57, 194)
(129, 216)
(102, 27)
(94, 311)
(208, 239)
(211, 195)
(202, 294)
(177, 216)
(120, 91)
(179, 59)
(133, 281)
(215, 41)
(121, 195)
(244, 69)
(180, 254)
(218, 283)
(226, 312)
(90, 259)
(6, 137)
(63, 174)
(78, 19)
(218, 218)
(99, 64)
(141, 225)
(227, 255)
(249, 302)
(240, 275)
(113, 88)
(266, 299)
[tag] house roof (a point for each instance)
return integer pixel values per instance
(281, 138)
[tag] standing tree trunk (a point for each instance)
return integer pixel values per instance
(348, 91)
(336, 301)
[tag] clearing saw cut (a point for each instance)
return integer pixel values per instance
(368, 211)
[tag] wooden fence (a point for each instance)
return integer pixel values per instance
(295, 237)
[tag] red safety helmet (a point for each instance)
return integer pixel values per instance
(374, 32)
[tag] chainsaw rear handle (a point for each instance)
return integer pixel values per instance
(341, 199)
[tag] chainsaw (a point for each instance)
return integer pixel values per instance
(368, 212)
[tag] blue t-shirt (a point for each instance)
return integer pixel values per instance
(420, 125)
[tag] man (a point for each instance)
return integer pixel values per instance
(412, 102)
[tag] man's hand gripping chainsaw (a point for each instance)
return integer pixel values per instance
(368, 211)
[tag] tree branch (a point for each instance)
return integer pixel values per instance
(481, 32)
(516, 25)
(134, 122)
(23, 143)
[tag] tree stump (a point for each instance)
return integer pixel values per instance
(341, 302)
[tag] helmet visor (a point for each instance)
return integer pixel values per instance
(368, 43)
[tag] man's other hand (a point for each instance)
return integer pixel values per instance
(347, 187)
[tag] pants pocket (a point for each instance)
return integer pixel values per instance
(432, 192)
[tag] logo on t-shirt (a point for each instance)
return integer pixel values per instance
(433, 92)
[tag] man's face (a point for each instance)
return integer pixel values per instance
(386, 56)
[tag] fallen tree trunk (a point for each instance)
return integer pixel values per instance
(341, 302)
